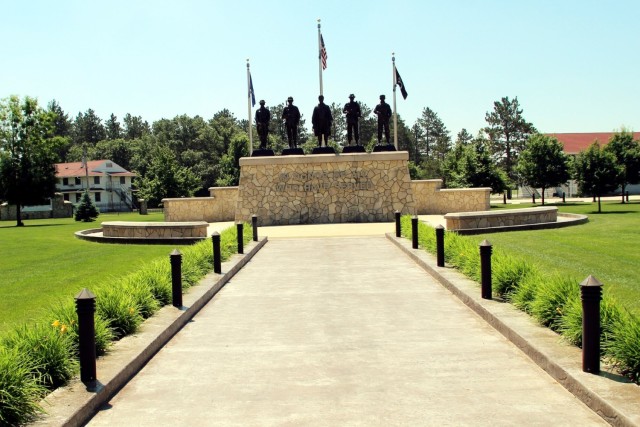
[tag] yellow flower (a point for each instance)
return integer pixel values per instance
(56, 324)
(63, 328)
(131, 310)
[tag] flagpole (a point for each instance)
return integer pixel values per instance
(395, 114)
(320, 55)
(249, 109)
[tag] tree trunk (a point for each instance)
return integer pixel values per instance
(599, 207)
(623, 187)
(542, 196)
(19, 222)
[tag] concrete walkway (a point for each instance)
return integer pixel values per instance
(340, 331)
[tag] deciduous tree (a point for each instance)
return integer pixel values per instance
(596, 171)
(27, 154)
(627, 153)
(543, 164)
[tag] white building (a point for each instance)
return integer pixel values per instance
(109, 184)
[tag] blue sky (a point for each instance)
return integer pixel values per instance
(573, 65)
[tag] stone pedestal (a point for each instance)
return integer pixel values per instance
(319, 189)
(143, 206)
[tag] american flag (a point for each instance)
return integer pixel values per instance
(323, 53)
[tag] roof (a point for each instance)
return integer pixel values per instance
(574, 143)
(95, 168)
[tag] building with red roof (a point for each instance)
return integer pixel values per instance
(110, 185)
(574, 143)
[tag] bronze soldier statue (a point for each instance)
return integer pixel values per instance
(291, 117)
(262, 123)
(383, 111)
(321, 121)
(353, 114)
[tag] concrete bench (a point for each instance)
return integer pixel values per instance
(498, 219)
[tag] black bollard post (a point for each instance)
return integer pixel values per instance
(398, 229)
(239, 228)
(217, 255)
(86, 308)
(440, 245)
(414, 232)
(563, 199)
(591, 294)
(504, 198)
(176, 277)
(254, 226)
(485, 269)
(533, 196)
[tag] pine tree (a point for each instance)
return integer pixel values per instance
(86, 211)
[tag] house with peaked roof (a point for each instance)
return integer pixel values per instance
(110, 185)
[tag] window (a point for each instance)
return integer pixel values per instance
(66, 196)
(96, 180)
(78, 182)
(97, 197)
(78, 196)
(65, 181)
(123, 180)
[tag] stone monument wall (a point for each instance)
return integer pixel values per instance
(219, 207)
(431, 199)
(320, 189)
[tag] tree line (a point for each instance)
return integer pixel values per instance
(185, 155)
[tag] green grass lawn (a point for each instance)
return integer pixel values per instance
(43, 262)
(608, 247)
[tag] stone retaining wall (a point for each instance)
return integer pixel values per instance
(432, 200)
(60, 208)
(318, 189)
(154, 230)
(219, 207)
(505, 218)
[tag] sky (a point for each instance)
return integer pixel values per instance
(573, 65)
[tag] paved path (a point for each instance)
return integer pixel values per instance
(340, 331)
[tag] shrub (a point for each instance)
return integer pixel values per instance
(48, 349)
(20, 388)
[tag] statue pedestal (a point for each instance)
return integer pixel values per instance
(323, 150)
(353, 149)
(262, 152)
(293, 152)
(322, 189)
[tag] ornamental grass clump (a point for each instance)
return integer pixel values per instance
(157, 277)
(624, 349)
(21, 388)
(120, 308)
(551, 298)
(49, 350)
(570, 325)
(508, 272)
(65, 314)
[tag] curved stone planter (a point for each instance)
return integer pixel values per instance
(146, 232)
